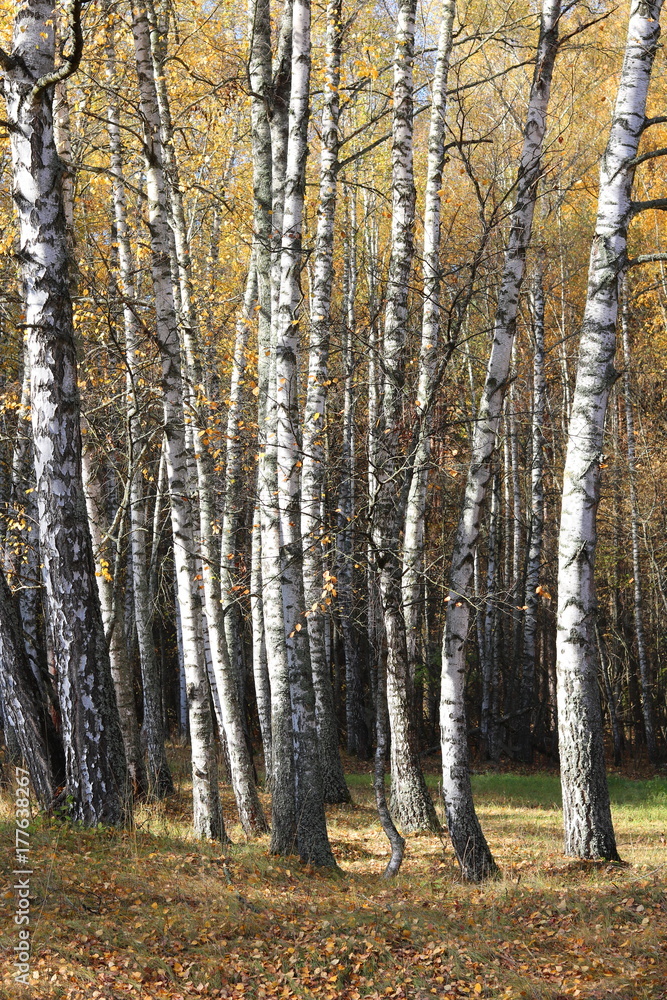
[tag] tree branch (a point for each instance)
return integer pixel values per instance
(651, 155)
(647, 258)
(660, 204)
(70, 62)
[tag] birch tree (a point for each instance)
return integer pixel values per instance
(645, 679)
(311, 832)
(207, 820)
(95, 761)
(587, 819)
(411, 803)
(469, 843)
(315, 417)
(415, 512)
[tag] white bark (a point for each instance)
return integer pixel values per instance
(586, 813)
(411, 802)
(469, 843)
(314, 422)
(206, 800)
(415, 511)
(159, 777)
(268, 122)
(311, 833)
(95, 760)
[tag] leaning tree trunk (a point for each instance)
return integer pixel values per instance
(97, 778)
(160, 783)
(638, 602)
(207, 816)
(589, 832)
(311, 832)
(469, 843)
(411, 803)
(314, 422)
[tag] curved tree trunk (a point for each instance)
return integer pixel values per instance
(589, 832)
(24, 707)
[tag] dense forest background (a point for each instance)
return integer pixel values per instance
(269, 312)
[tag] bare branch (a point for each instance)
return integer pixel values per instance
(660, 204)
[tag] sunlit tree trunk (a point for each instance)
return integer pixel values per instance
(469, 843)
(268, 120)
(227, 675)
(206, 800)
(411, 803)
(97, 779)
(587, 819)
(312, 840)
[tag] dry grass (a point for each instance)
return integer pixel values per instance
(151, 913)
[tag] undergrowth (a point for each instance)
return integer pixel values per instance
(152, 913)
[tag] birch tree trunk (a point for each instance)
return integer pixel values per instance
(160, 783)
(589, 831)
(357, 730)
(415, 512)
(235, 495)
(638, 602)
(208, 820)
(469, 843)
(314, 420)
(311, 832)
(228, 676)
(531, 597)
(24, 708)
(267, 91)
(411, 803)
(112, 616)
(95, 761)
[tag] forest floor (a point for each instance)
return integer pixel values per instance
(152, 913)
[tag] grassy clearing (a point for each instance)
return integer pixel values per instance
(151, 913)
